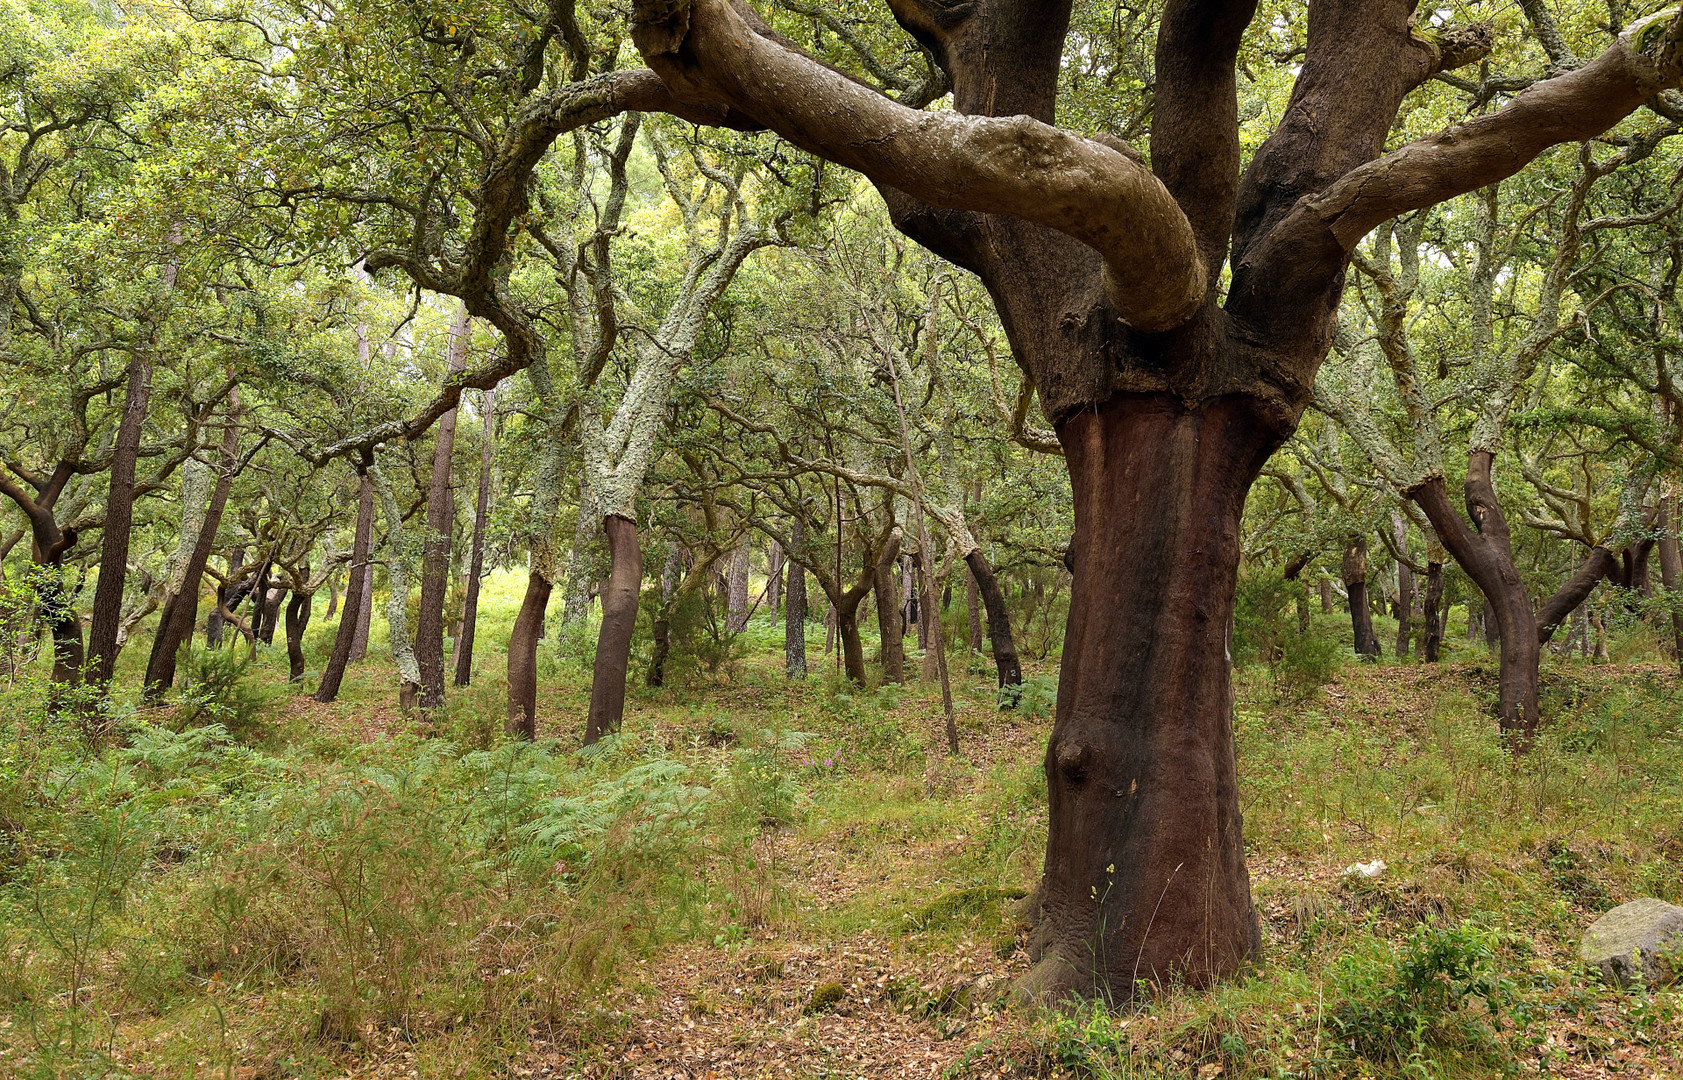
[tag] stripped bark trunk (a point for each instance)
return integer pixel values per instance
(1671, 570)
(297, 620)
(1432, 646)
(1007, 666)
(619, 619)
(1353, 572)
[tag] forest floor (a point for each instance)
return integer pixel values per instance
(764, 880)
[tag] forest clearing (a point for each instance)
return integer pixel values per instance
(873, 538)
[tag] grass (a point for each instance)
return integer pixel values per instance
(761, 879)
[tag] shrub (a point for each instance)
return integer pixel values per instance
(219, 687)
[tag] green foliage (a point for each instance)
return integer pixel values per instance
(219, 686)
(1266, 632)
(1398, 1004)
(1036, 696)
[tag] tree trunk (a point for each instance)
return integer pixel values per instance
(365, 612)
(1432, 646)
(794, 614)
(332, 597)
(619, 619)
(1671, 570)
(973, 607)
(661, 625)
(1145, 862)
(1405, 590)
(581, 564)
(1325, 589)
(1353, 571)
(441, 527)
(893, 651)
(297, 618)
(736, 597)
(357, 598)
(1487, 556)
(774, 582)
(175, 623)
(476, 559)
(119, 524)
(1006, 664)
(523, 658)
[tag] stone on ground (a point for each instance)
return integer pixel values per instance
(1641, 941)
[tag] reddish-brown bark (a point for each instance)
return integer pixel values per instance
(358, 597)
(619, 619)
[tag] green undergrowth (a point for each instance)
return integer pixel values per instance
(231, 883)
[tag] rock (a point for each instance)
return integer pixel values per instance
(1370, 870)
(1641, 941)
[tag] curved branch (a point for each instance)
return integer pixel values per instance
(1096, 192)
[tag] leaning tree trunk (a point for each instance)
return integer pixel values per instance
(794, 614)
(1005, 661)
(1353, 571)
(441, 524)
(476, 557)
(523, 657)
(1487, 556)
(119, 524)
(893, 651)
(1145, 861)
(297, 619)
(357, 596)
(619, 619)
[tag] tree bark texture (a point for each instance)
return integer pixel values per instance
(1671, 570)
(357, 595)
(522, 657)
(476, 557)
(619, 619)
(1405, 591)
(119, 523)
(736, 597)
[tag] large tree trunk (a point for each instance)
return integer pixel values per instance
(1006, 664)
(1353, 571)
(476, 557)
(619, 619)
(1145, 862)
(297, 619)
(441, 526)
(893, 652)
(175, 623)
(119, 523)
(357, 597)
(794, 613)
(1432, 645)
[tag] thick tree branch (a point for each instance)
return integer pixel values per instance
(1097, 193)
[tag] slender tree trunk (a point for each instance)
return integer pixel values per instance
(175, 624)
(476, 559)
(441, 527)
(1325, 590)
(119, 523)
(332, 597)
(1433, 644)
(1405, 590)
(893, 651)
(297, 619)
(661, 625)
(1354, 574)
(1671, 570)
(794, 613)
(1006, 664)
(357, 595)
(1145, 862)
(774, 578)
(619, 619)
(915, 602)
